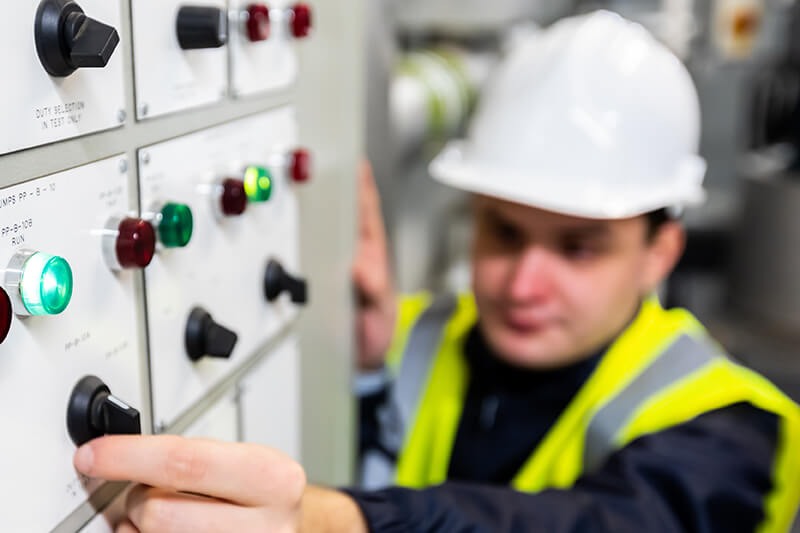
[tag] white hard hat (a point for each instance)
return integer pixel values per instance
(592, 118)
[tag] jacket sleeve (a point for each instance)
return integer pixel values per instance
(710, 474)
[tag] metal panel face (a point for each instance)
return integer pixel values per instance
(44, 356)
(168, 78)
(264, 65)
(270, 401)
(223, 266)
(38, 108)
(220, 422)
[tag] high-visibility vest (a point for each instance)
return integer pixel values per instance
(662, 371)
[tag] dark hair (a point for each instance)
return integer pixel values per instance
(656, 219)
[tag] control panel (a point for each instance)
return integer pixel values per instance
(263, 40)
(225, 276)
(63, 71)
(269, 400)
(70, 333)
(157, 190)
(180, 54)
(219, 422)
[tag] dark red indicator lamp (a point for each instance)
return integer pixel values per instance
(232, 197)
(300, 165)
(6, 313)
(258, 24)
(136, 243)
(129, 243)
(301, 20)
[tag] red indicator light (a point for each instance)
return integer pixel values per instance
(300, 170)
(258, 22)
(233, 200)
(136, 243)
(5, 314)
(301, 21)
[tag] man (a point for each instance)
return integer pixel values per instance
(560, 374)
(582, 149)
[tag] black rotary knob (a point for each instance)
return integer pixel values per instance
(206, 338)
(66, 39)
(201, 27)
(93, 412)
(277, 281)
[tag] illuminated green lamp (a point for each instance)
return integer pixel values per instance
(45, 284)
(175, 225)
(257, 184)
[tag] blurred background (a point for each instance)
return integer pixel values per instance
(428, 61)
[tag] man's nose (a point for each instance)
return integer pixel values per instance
(531, 278)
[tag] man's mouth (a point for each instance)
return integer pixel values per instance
(526, 324)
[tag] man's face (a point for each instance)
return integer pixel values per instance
(552, 289)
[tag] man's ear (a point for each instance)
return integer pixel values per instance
(664, 250)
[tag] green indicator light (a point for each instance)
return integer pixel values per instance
(175, 227)
(257, 184)
(46, 285)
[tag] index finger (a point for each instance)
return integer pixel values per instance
(247, 474)
(371, 222)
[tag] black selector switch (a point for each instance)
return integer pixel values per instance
(93, 412)
(201, 27)
(66, 39)
(204, 337)
(277, 280)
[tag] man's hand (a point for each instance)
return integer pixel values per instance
(377, 304)
(199, 485)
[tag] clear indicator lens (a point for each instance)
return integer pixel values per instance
(46, 284)
(175, 227)
(257, 184)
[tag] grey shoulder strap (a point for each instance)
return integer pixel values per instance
(377, 470)
(683, 357)
(419, 352)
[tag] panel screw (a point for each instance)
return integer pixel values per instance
(144, 157)
(121, 116)
(144, 109)
(123, 166)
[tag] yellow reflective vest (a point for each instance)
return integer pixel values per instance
(663, 370)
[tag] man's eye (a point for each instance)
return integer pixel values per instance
(578, 250)
(506, 233)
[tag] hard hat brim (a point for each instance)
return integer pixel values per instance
(557, 194)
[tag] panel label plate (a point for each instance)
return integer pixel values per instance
(168, 78)
(37, 108)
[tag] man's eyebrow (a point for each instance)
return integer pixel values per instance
(586, 232)
(497, 216)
